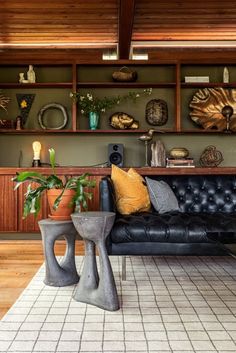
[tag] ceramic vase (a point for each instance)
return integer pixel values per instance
(93, 120)
(63, 212)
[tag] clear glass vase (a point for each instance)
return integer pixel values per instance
(93, 120)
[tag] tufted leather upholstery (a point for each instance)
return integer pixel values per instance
(208, 214)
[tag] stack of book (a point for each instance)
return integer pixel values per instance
(180, 162)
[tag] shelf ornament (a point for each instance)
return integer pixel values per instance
(25, 102)
(214, 108)
(122, 121)
(210, 157)
(156, 112)
(52, 106)
(4, 101)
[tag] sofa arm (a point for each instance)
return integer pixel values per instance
(107, 195)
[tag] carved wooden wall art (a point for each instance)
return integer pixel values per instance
(214, 108)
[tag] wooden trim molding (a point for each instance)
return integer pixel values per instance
(142, 170)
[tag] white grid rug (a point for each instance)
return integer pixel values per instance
(168, 304)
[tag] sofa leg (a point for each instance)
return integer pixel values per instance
(123, 268)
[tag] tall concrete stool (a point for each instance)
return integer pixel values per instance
(63, 274)
(93, 288)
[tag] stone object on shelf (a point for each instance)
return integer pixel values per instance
(156, 112)
(158, 154)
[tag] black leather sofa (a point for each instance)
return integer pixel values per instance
(207, 219)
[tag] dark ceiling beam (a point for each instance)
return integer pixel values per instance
(125, 27)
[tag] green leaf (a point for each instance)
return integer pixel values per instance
(29, 176)
(52, 156)
(53, 182)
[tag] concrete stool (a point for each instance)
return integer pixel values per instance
(63, 274)
(99, 290)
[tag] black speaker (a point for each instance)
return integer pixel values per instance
(116, 154)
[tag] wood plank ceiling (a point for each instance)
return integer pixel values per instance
(108, 23)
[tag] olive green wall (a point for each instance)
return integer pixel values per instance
(87, 150)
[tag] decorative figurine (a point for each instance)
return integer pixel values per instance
(226, 75)
(146, 138)
(19, 123)
(21, 77)
(31, 74)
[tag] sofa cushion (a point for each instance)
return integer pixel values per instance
(130, 191)
(175, 227)
(161, 195)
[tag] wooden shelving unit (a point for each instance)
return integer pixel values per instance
(166, 77)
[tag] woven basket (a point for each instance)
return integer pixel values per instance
(125, 75)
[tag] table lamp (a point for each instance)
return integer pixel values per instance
(36, 159)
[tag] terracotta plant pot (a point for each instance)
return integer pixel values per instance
(63, 212)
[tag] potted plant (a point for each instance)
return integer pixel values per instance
(64, 195)
(92, 107)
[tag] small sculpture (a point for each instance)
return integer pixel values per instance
(21, 77)
(226, 75)
(210, 157)
(31, 75)
(123, 121)
(158, 154)
(146, 138)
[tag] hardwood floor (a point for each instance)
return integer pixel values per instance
(19, 261)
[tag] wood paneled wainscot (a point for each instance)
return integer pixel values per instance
(11, 201)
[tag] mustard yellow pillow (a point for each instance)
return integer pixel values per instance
(131, 193)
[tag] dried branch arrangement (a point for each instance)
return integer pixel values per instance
(4, 101)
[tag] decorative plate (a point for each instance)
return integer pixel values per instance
(156, 112)
(209, 108)
(57, 106)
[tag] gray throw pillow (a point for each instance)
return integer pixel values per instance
(161, 195)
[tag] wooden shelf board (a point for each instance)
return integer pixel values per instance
(125, 84)
(207, 84)
(37, 85)
(109, 131)
(98, 131)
